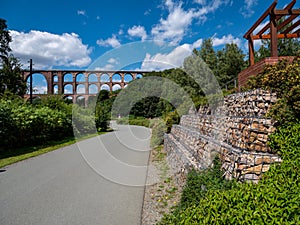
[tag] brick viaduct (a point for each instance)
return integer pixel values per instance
(78, 84)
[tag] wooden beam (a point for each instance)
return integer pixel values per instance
(264, 29)
(289, 29)
(286, 22)
(274, 38)
(251, 51)
(297, 31)
(290, 5)
(263, 16)
(279, 36)
(284, 12)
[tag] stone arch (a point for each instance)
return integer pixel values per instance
(116, 87)
(93, 89)
(80, 89)
(128, 77)
(68, 77)
(80, 100)
(116, 78)
(55, 89)
(69, 98)
(92, 99)
(55, 78)
(104, 78)
(68, 89)
(139, 76)
(80, 77)
(39, 84)
(92, 78)
(105, 87)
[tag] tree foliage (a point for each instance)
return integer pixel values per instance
(225, 64)
(10, 67)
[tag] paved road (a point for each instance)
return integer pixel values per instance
(86, 183)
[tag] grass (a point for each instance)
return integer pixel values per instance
(11, 156)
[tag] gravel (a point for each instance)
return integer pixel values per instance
(162, 194)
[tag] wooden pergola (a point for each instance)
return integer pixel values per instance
(279, 26)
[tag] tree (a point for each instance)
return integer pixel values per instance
(5, 39)
(11, 77)
(230, 63)
(286, 47)
(10, 67)
(208, 55)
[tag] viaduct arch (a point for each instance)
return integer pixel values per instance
(83, 84)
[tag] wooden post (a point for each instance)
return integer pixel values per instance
(251, 50)
(274, 38)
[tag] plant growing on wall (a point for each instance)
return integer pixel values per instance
(284, 79)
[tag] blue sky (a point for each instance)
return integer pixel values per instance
(144, 34)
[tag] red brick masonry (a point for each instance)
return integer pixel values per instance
(258, 68)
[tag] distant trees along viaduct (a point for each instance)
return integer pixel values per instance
(79, 85)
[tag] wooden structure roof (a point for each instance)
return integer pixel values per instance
(283, 23)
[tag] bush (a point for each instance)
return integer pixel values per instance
(171, 118)
(158, 130)
(284, 79)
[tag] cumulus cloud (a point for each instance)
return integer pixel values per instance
(176, 25)
(112, 42)
(173, 59)
(226, 40)
(201, 2)
(112, 64)
(247, 10)
(138, 31)
(49, 50)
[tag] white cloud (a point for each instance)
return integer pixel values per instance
(81, 12)
(113, 61)
(226, 40)
(247, 10)
(173, 28)
(138, 31)
(175, 58)
(112, 64)
(198, 43)
(113, 42)
(201, 2)
(166, 61)
(48, 50)
(147, 12)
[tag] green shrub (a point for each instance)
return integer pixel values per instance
(158, 130)
(23, 124)
(171, 118)
(284, 79)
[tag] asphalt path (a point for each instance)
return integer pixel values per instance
(95, 181)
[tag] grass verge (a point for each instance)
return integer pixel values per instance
(11, 156)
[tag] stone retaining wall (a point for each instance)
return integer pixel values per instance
(236, 130)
